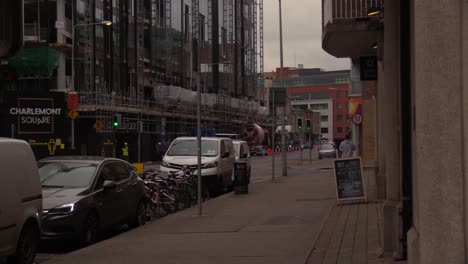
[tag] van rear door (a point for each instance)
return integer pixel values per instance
(10, 204)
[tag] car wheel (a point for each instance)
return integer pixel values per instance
(27, 246)
(140, 217)
(91, 230)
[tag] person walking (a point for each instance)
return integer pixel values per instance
(125, 152)
(346, 148)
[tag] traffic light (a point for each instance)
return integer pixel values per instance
(299, 123)
(308, 125)
(117, 120)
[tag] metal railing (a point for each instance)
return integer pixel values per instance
(347, 9)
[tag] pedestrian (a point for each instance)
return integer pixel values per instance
(125, 152)
(346, 147)
(159, 151)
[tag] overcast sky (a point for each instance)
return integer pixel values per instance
(302, 36)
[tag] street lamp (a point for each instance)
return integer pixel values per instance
(199, 141)
(283, 118)
(104, 23)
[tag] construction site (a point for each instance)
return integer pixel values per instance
(136, 67)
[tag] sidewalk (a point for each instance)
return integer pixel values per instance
(291, 220)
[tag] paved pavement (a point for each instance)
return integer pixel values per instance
(292, 219)
(277, 222)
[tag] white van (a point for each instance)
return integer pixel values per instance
(20, 202)
(218, 156)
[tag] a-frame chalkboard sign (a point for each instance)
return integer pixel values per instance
(349, 179)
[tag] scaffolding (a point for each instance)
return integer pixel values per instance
(261, 54)
(88, 48)
(168, 37)
(152, 102)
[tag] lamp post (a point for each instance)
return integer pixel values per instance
(283, 117)
(105, 23)
(199, 141)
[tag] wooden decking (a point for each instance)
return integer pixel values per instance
(351, 234)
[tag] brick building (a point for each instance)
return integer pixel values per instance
(322, 91)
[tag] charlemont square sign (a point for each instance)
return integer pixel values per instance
(35, 115)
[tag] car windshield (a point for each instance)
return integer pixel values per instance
(327, 147)
(66, 174)
(189, 148)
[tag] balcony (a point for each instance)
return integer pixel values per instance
(347, 31)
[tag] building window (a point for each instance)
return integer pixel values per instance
(339, 129)
(324, 118)
(201, 30)
(321, 95)
(347, 117)
(186, 24)
(303, 107)
(299, 96)
(339, 105)
(224, 42)
(319, 106)
(339, 118)
(324, 130)
(339, 93)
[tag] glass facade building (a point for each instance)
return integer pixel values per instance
(145, 67)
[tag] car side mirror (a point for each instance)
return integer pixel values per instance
(109, 185)
(225, 155)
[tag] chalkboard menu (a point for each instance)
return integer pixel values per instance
(348, 175)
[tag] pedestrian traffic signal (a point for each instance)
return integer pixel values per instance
(308, 125)
(117, 120)
(299, 123)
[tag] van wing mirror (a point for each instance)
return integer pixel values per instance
(225, 155)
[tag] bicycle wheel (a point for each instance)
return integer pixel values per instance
(183, 199)
(169, 202)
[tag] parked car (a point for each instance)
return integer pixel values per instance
(218, 156)
(243, 153)
(84, 196)
(327, 151)
(20, 202)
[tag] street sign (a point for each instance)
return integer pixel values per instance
(72, 101)
(357, 119)
(98, 125)
(348, 179)
(72, 114)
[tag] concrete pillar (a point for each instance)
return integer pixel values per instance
(389, 130)
(381, 180)
(61, 39)
(439, 61)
